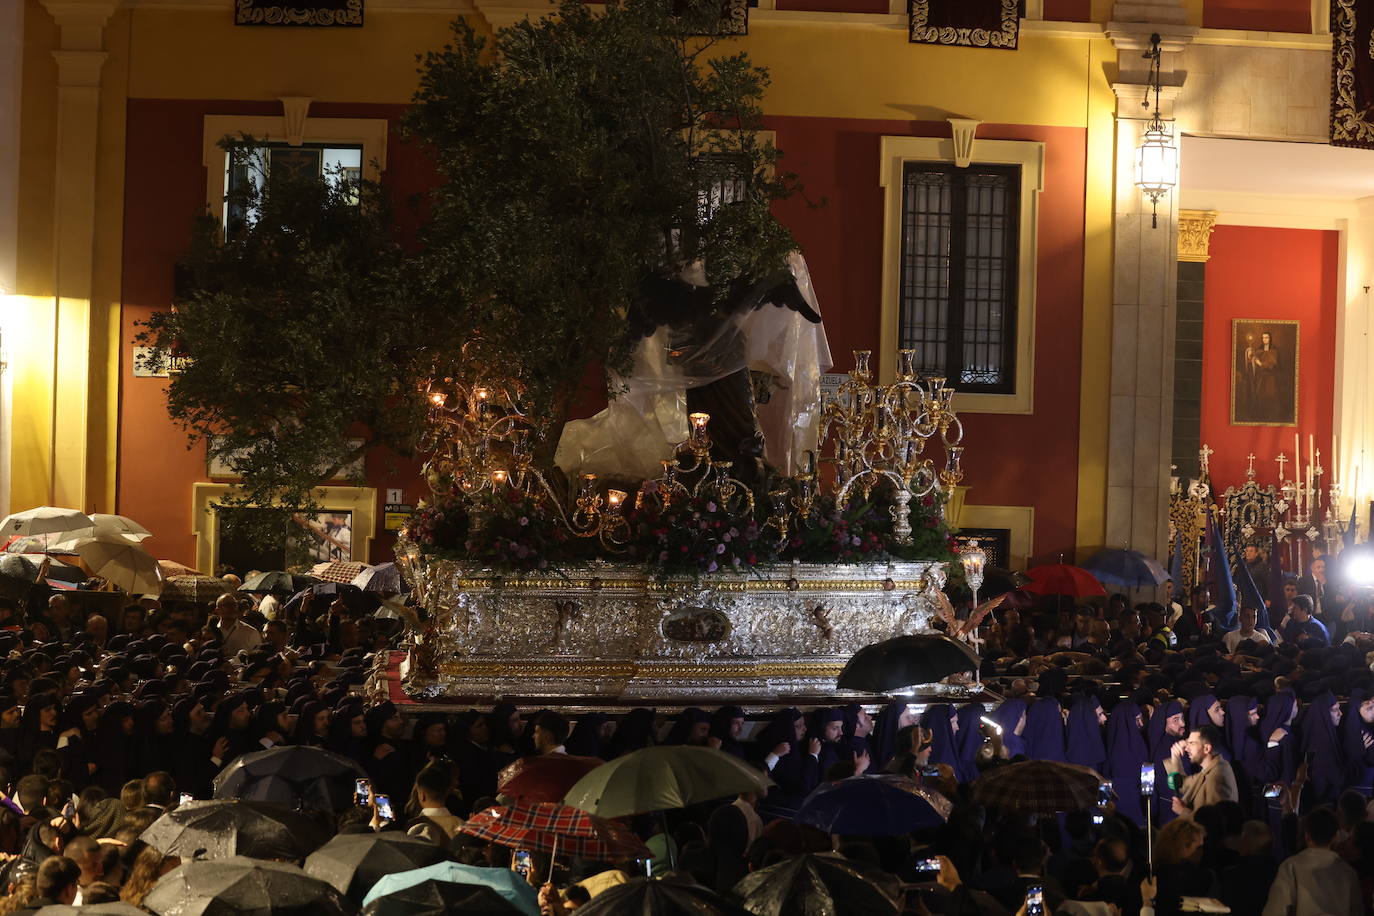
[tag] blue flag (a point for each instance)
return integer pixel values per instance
(1250, 595)
(1223, 589)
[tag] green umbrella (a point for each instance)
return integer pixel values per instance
(506, 883)
(663, 777)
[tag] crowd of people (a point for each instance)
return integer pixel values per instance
(1237, 765)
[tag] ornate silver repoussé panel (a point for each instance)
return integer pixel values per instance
(615, 632)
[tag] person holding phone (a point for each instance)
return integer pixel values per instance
(1214, 782)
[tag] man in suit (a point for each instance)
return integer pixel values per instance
(1214, 782)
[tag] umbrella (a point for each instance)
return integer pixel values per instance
(121, 562)
(1126, 568)
(662, 777)
(818, 884)
(665, 897)
(342, 571)
(1062, 579)
(353, 596)
(508, 884)
(384, 579)
(998, 581)
(91, 909)
(171, 568)
(873, 805)
(1040, 786)
(903, 661)
(280, 583)
(197, 588)
(354, 862)
(553, 828)
(439, 898)
(293, 775)
(219, 829)
(47, 520)
(120, 524)
(240, 886)
(544, 778)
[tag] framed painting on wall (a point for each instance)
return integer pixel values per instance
(1264, 372)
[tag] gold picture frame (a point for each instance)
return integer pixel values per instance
(1264, 372)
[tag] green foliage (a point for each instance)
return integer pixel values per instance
(295, 336)
(572, 159)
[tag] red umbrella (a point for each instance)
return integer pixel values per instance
(555, 828)
(545, 777)
(1062, 579)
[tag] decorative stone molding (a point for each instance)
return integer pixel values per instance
(963, 130)
(296, 108)
(82, 22)
(1194, 233)
(79, 68)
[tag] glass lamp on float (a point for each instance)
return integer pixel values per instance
(973, 559)
(1156, 159)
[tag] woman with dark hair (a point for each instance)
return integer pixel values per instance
(154, 742)
(1280, 762)
(635, 731)
(588, 735)
(1126, 751)
(1011, 717)
(724, 731)
(1044, 734)
(692, 726)
(312, 725)
(37, 729)
(893, 717)
(112, 738)
(1085, 746)
(1357, 735)
(1322, 745)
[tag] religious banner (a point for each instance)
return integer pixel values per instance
(1352, 73)
(968, 23)
(299, 12)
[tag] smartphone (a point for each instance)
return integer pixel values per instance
(361, 789)
(1273, 790)
(1147, 779)
(928, 867)
(1035, 900)
(1098, 819)
(520, 863)
(1105, 792)
(69, 811)
(931, 770)
(186, 797)
(648, 868)
(384, 808)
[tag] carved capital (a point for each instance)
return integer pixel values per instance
(1194, 234)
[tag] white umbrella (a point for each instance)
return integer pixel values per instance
(46, 520)
(126, 565)
(120, 524)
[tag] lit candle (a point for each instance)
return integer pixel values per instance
(438, 398)
(699, 421)
(498, 476)
(588, 484)
(614, 499)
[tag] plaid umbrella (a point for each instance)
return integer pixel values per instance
(554, 828)
(1039, 786)
(344, 571)
(198, 589)
(544, 778)
(1063, 579)
(171, 569)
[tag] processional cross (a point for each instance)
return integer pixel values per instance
(1282, 461)
(1250, 466)
(1204, 456)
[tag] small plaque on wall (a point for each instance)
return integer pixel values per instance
(347, 13)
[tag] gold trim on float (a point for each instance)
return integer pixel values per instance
(592, 585)
(559, 670)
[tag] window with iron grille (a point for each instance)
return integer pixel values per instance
(959, 272)
(722, 182)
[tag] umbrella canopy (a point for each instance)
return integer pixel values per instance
(277, 583)
(554, 828)
(240, 886)
(220, 829)
(120, 524)
(356, 599)
(121, 562)
(343, 571)
(873, 805)
(172, 568)
(1127, 568)
(662, 777)
(353, 862)
(998, 581)
(384, 579)
(197, 588)
(665, 897)
(903, 661)
(1063, 579)
(293, 775)
(1040, 786)
(439, 898)
(508, 884)
(545, 777)
(819, 884)
(91, 909)
(47, 520)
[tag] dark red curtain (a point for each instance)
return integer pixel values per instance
(1352, 73)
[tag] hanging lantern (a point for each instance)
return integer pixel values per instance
(1156, 159)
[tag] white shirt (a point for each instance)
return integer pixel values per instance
(1235, 638)
(1315, 882)
(241, 636)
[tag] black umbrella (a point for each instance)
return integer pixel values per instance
(277, 583)
(219, 829)
(91, 909)
(439, 898)
(665, 897)
(299, 776)
(239, 886)
(358, 601)
(819, 885)
(998, 581)
(905, 661)
(353, 862)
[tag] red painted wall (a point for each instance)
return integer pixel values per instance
(1268, 273)
(1024, 460)
(1258, 15)
(1069, 10)
(1010, 460)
